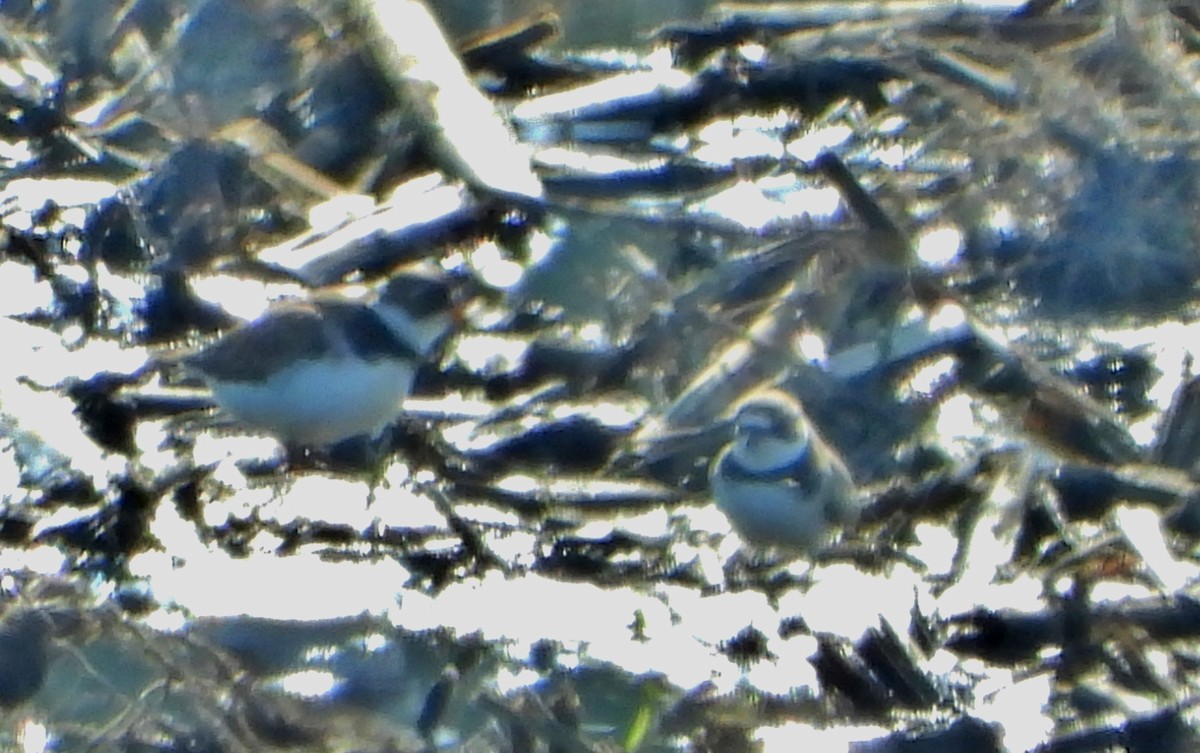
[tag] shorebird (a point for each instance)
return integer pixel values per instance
(778, 482)
(319, 371)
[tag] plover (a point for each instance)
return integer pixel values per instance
(318, 371)
(778, 482)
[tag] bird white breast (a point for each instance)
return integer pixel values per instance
(772, 514)
(320, 402)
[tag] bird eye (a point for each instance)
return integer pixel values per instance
(759, 420)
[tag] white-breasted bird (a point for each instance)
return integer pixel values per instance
(318, 371)
(779, 484)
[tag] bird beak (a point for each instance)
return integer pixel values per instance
(752, 424)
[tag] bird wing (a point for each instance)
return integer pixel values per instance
(291, 332)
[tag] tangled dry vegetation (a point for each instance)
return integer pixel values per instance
(964, 237)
